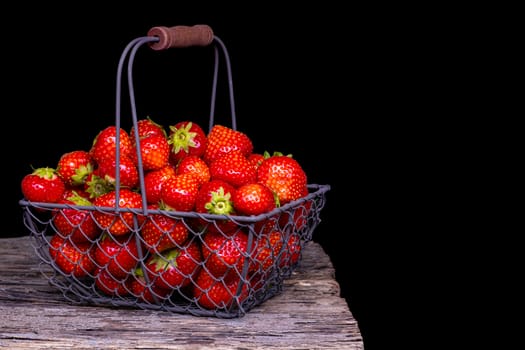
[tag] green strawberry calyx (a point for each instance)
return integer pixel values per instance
(220, 203)
(81, 173)
(163, 262)
(276, 199)
(138, 272)
(46, 173)
(267, 154)
(182, 138)
(78, 199)
(97, 186)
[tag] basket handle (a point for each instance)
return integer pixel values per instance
(197, 37)
(181, 36)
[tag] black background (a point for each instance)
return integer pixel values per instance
(322, 83)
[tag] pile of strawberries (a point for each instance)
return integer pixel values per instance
(164, 255)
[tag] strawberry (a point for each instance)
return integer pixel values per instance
(129, 175)
(146, 127)
(234, 168)
(78, 224)
(118, 223)
(291, 251)
(253, 199)
(105, 144)
(297, 216)
(73, 259)
(222, 139)
(154, 151)
(74, 167)
(256, 159)
(285, 176)
(153, 181)
(144, 291)
(267, 251)
(180, 192)
(175, 268)
(43, 185)
(118, 254)
(214, 197)
(267, 224)
(109, 284)
(258, 281)
(224, 255)
(211, 293)
(194, 165)
(186, 139)
(161, 232)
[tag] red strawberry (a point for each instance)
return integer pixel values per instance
(267, 251)
(129, 175)
(78, 224)
(266, 225)
(291, 251)
(118, 254)
(155, 152)
(161, 232)
(285, 176)
(144, 291)
(256, 159)
(253, 199)
(194, 165)
(175, 268)
(75, 166)
(214, 197)
(299, 213)
(258, 281)
(109, 284)
(222, 139)
(71, 258)
(180, 192)
(153, 181)
(234, 168)
(186, 139)
(43, 185)
(118, 223)
(224, 255)
(212, 293)
(145, 128)
(105, 144)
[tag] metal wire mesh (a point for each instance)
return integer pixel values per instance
(244, 266)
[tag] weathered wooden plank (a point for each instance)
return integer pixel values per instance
(308, 314)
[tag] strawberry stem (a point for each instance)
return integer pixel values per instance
(220, 203)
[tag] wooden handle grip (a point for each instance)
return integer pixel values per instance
(181, 36)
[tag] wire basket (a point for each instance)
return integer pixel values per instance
(223, 266)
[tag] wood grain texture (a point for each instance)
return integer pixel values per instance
(308, 314)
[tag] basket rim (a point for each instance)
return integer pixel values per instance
(318, 190)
